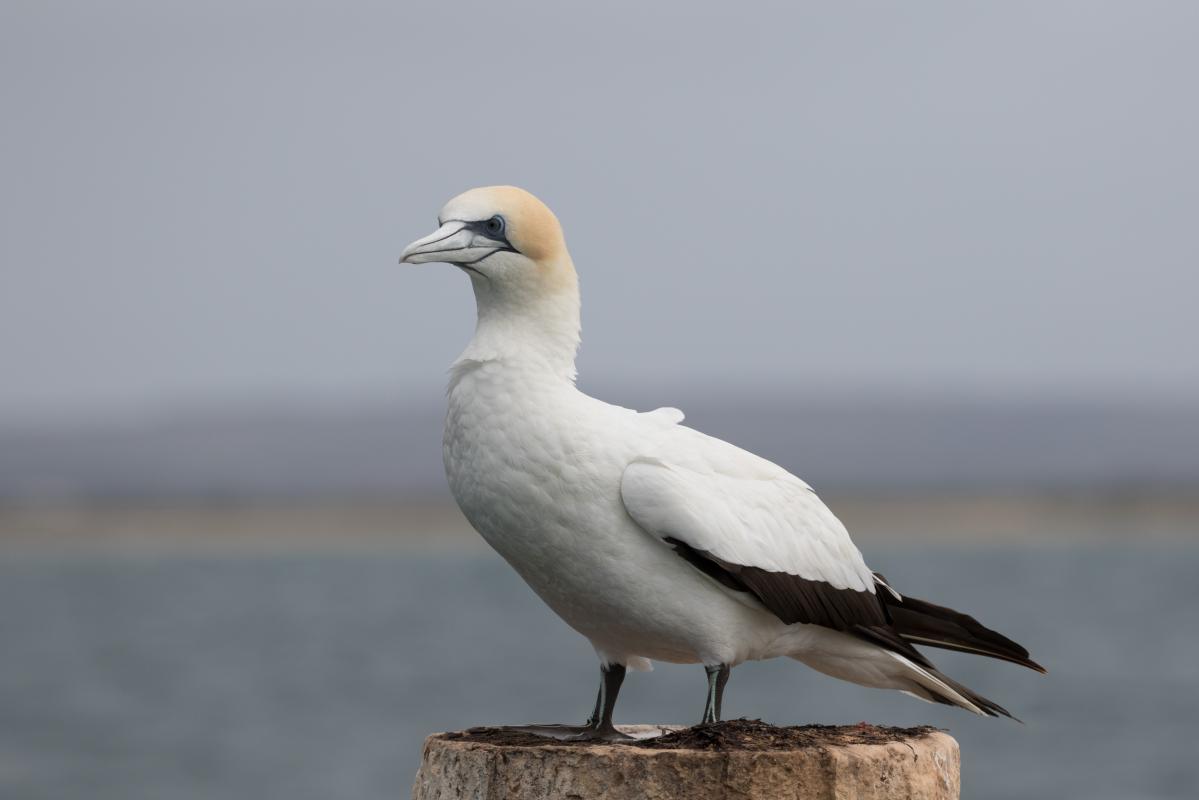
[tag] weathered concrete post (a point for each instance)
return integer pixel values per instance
(741, 759)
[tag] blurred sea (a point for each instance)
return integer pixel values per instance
(316, 674)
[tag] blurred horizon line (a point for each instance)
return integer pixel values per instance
(380, 447)
(631, 393)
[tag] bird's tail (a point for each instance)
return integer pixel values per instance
(936, 687)
(922, 622)
(890, 665)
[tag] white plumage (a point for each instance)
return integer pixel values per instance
(741, 508)
(649, 538)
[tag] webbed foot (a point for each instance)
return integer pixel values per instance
(607, 733)
(551, 730)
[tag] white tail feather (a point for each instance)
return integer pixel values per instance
(932, 683)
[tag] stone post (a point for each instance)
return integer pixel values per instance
(751, 762)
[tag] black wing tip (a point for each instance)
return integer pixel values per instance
(922, 622)
(1011, 658)
(1025, 662)
(1020, 659)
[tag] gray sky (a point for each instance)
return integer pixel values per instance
(204, 202)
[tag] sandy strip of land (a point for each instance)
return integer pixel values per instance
(436, 525)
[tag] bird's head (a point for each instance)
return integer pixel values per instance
(504, 237)
(525, 285)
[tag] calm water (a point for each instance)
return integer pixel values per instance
(317, 676)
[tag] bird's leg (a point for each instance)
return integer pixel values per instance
(599, 724)
(718, 676)
(594, 719)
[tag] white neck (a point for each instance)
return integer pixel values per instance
(527, 324)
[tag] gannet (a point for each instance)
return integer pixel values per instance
(646, 536)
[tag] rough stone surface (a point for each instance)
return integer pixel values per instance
(741, 759)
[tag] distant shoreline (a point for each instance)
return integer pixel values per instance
(435, 525)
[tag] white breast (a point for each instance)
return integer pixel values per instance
(528, 461)
(536, 468)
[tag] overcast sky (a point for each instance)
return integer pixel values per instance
(204, 202)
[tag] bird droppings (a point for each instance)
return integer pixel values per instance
(728, 736)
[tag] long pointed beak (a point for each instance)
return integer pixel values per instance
(446, 243)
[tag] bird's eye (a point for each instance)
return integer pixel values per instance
(494, 226)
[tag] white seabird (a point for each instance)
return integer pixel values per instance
(649, 538)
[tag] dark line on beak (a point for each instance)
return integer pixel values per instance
(486, 255)
(443, 238)
(467, 264)
(439, 252)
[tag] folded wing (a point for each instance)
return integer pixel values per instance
(755, 528)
